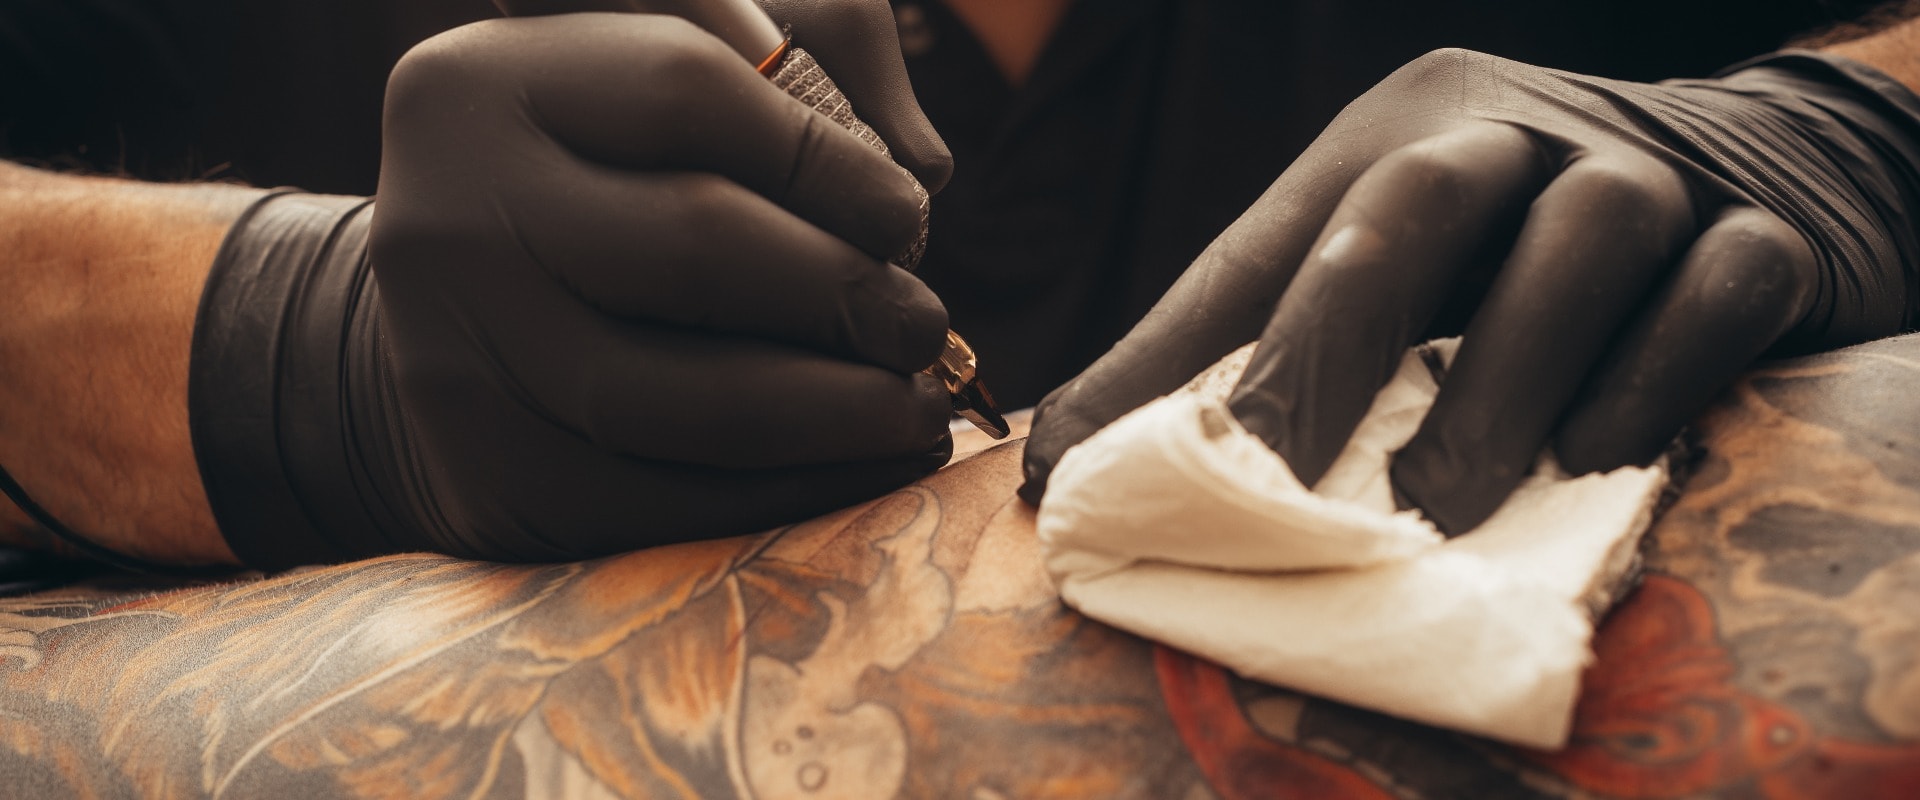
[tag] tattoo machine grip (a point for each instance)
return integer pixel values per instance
(795, 71)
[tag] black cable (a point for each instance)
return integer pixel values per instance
(39, 515)
(24, 572)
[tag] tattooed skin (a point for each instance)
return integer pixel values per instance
(913, 647)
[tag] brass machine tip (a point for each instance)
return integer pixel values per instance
(957, 368)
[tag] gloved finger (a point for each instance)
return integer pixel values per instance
(1225, 298)
(1593, 245)
(698, 250)
(1743, 284)
(1384, 264)
(690, 397)
(858, 44)
(647, 92)
(586, 502)
(1220, 303)
(1216, 306)
(745, 405)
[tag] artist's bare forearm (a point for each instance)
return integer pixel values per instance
(99, 282)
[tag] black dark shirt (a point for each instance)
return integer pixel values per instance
(269, 92)
(1145, 128)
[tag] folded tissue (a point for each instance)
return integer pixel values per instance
(1177, 524)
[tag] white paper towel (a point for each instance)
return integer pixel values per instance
(1175, 523)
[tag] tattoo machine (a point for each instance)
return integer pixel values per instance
(751, 33)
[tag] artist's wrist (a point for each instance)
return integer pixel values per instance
(1851, 107)
(99, 280)
(298, 461)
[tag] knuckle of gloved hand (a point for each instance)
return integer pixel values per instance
(1640, 194)
(1771, 271)
(1443, 169)
(684, 68)
(440, 71)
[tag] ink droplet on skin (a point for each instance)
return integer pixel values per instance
(813, 775)
(1212, 423)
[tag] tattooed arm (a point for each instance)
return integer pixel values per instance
(912, 646)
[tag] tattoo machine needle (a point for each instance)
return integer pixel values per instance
(751, 33)
(971, 400)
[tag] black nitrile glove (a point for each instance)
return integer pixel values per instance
(1623, 250)
(619, 291)
(855, 41)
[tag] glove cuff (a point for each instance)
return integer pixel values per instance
(1877, 111)
(1899, 101)
(269, 379)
